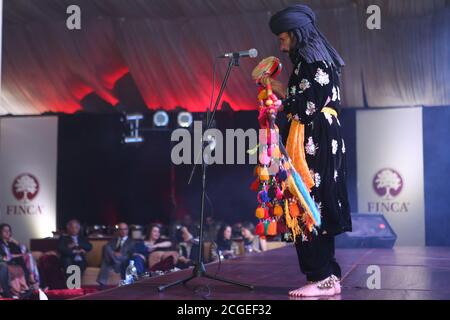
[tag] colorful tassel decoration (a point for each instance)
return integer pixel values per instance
(291, 223)
(277, 210)
(259, 229)
(294, 210)
(264, 174)
(260, 213)
(285, 204)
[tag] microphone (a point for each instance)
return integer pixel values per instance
(252, 53)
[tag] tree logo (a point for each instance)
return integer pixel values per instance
(387, 183)
(25, 187)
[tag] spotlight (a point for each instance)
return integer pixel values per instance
(129, 140)
(134, 117)
(133, 121)
(185, 119)
(161, 119)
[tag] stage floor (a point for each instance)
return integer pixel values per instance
(406, 273)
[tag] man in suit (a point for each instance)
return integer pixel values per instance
(73, 247)
(116, 255)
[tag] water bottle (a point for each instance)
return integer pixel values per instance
(131, 273)
(221, 256)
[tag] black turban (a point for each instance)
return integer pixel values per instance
(311, 43)
(293, 17)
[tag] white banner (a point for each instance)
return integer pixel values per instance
(390, 170)
(28, 159)
(1, 42)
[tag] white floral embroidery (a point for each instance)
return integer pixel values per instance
(317, 179)
(343, 146)
(296, 118)
(335, 175)
(334, 146)
(319, 207)
(338, 122)
(322, 77)
(304, 237)
(339, 93)
(311, 147)
(293, 90)
(304, 84)
(335, 94)
(329, 117)
(339, 203)
(310, 108)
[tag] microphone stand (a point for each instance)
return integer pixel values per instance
(199, 270)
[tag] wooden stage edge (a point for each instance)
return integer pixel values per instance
(421, 273)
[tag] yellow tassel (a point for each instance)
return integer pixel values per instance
(264, 174)
(254, 150)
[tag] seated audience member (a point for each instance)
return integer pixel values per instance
(186, 221)
(223, 248)
(73, 247)
(252, 242)
(4, 279)
(187, 248)
(236, 230)
(153, 251)
(211, 228)
(116, 255)
(22, 268)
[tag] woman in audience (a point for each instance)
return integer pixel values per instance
(224, 243)
(22, 267)
(154, 250)
(252, 242)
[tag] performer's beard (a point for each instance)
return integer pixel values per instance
(294, 55)
(293, 52)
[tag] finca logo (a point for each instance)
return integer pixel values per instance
(25, 187)
(387, 183)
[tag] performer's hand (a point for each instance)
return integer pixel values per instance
(278, 88)
(265, 80)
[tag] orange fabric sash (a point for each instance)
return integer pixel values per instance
(295, 148)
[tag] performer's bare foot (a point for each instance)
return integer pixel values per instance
(337, 285)
(327, 287)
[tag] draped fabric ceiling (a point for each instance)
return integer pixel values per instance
(167, 47)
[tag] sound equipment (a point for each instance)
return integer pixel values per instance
(369, 231)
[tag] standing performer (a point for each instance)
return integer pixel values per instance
(312, 102)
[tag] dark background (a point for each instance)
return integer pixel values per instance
(102, 181)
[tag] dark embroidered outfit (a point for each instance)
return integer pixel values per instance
(313, 99)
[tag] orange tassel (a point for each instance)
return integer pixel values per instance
(260, 213)
(294, 210)
(264, 174)
(277, 211)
